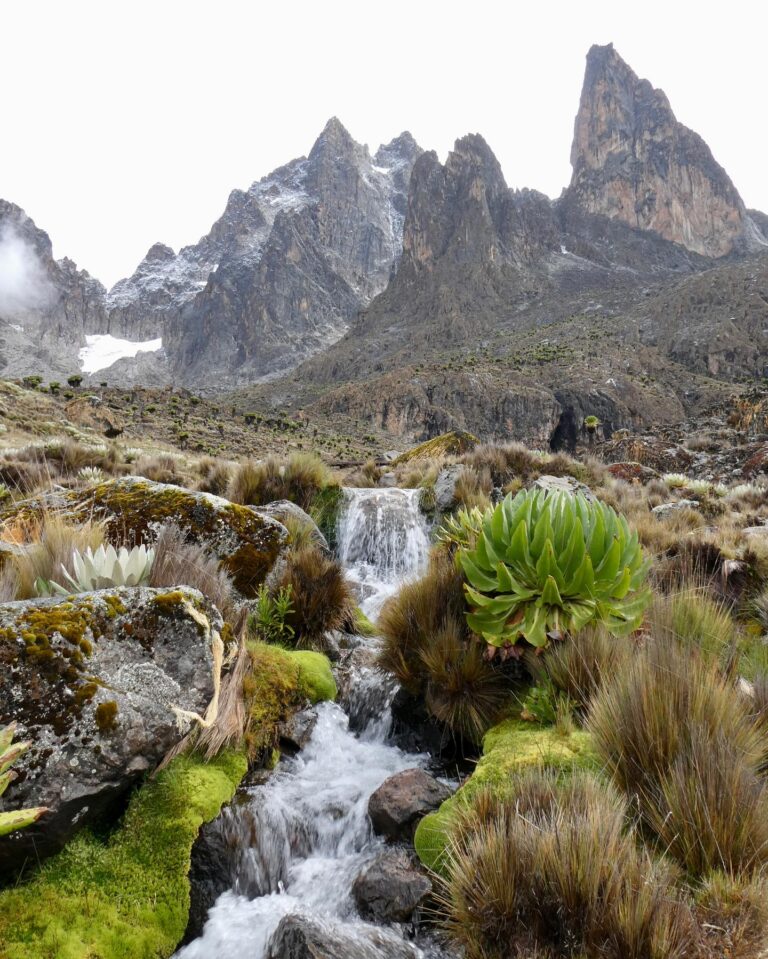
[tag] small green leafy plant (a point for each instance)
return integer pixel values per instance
(463, 528)
(547, 563)
(9, 753)
(270, 615)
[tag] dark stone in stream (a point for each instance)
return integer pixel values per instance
(402, 800)
(302, 937)
(296, 732)
(391, 887)
(211, 873)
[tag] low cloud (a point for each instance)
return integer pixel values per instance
(24, 285)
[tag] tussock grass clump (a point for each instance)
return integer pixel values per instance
(46, 544)
(551, 867)
(215, 476)
(473, 489)
(697, 622)
(418, 612)
(299, 478)
(321, 598)
(579, 666)
(463, 691)
(732, 913)
(427, 645)
(162, 468)
(659, 725)
(179, 563)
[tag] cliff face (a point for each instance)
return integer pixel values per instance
(633, 161)
(279, 276)
(47, 306)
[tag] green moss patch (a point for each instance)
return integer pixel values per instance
(508, 747)
(128, 897)
(315, 674)
(278, 683)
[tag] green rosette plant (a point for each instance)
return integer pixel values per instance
(547, 563)
(9, 753)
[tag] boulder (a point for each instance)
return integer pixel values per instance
(92, 682)
(283, 508)
(445, 486)
(305, 937)
(248, 543)
(391, 887)
(563, 484)
(296, 732)
(400, 802)
(89, 411)
(669, 509)
(388, 481)
(632, 472)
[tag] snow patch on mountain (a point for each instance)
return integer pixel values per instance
(103, 349)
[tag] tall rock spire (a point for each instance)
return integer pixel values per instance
(633, 161)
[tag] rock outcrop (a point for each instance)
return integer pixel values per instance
(247, 543)
(634, 161)
(47, 306)
(92, 682)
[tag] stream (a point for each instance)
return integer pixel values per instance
(301, 838)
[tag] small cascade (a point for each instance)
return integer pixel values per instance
(382, 540)
(301, 838)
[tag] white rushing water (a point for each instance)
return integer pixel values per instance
(382, 541)
(302, 837)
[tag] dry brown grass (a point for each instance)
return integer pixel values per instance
(551, 867)
(321, 598)
(179, 563)
(47, 542)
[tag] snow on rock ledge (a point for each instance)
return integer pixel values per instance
(103, 349)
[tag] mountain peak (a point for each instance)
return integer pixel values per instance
(633, 161)
(335, 137)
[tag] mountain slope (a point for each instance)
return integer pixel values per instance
(512, 315)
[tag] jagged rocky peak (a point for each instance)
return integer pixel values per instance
(633, 161)
(464, 211)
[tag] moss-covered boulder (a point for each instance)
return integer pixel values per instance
(246, 542)
(446, 444)
(507, 747)
(93, 682)
(125, 895)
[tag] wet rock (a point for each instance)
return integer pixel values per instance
(402, 800)
(445, 486)
(391, 888)
(92, 682)
(282, 509)
(669, 509)
(296, 732)
(302, 937)
(247, 543)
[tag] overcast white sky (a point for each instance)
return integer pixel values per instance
(125, 123)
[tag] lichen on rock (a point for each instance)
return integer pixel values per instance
(96, 682)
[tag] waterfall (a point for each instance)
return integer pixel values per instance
(382, 540)
(303, 836)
